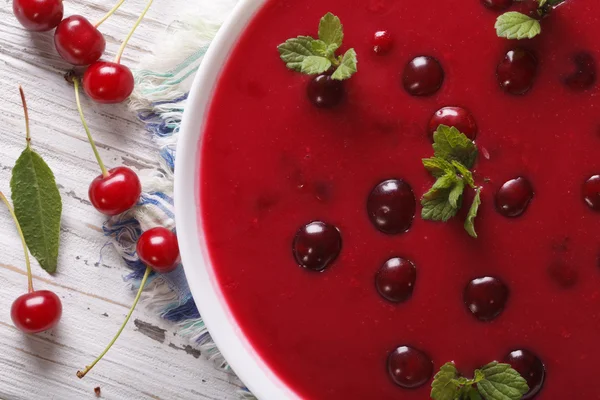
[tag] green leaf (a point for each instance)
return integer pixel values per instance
(450, 144)
(437, 166)
(38, 207)
(444, 385)
(470, 222)
(321, 48)
(464, 172)
(331, 30)
(455, 196)
(295, 50)
(474, 395)
(348, 66)
(313, 65)
(515, 25)
(555, 2)
(501, 382)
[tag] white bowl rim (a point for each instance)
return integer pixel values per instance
(225, 332)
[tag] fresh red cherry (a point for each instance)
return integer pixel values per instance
(584, 76)
(591, 192)
(36, 311)
(116, 192)
(530, 367)
(382, 42)
(423, 76)
(391, 206)
(457, 117)
(316, 245)
(486, 297)
(108, 82)
(497, 5)
(395, 280)
(38, 15)
(78, 41)
(409, 368)
(158, 249)
(517, 71)
(513, 197)
(325, 92)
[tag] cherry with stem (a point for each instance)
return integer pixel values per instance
(158, 249)
(116, 190)
(111, 82)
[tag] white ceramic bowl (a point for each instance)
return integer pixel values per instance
(247, 364)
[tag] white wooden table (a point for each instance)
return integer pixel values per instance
(149, 361)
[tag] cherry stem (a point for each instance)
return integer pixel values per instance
(81, 374)
(108, 14)
(87, 129)
(27, 262)
(26, 112)
(137, 23)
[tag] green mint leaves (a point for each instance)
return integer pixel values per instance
(454, 157)
(38, 207)
(515, 25)
(495, 381)
(315, 56)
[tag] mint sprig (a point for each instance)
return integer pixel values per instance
(495, 381)
(454, 157)
(516, 25)
(312, 56)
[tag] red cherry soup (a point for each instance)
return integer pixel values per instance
(272, 162)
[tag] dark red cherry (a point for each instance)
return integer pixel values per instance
(325, 92)
(423, 76)
(513, 197)
(36, 311)
(391, 206)
(457, 117)
(486, 297)
(38, 15)
(158, 249)
(497, 5)
(115, 193)
(530, 367)
(409, 367)
(108, 82)
(591, 192)
(395, 280)
(382, 42)
(584, 76)
(316, 245)
(78, 41)
(517, 71)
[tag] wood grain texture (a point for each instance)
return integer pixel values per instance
(149, 361)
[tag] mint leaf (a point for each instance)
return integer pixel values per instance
(313, 65)
(295, 50)
(348, 66)
(436, 202)
(455, 196)
(445, 385)
(515, 25)
(501, 382)
(464, 172)
(331, 30)
(450, 144)
(474, 395)
(470, 221)
(437, 166)
(38, 207)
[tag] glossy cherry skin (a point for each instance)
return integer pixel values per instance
(423, 76)
(158, 249)
(38, 15)
(395, 280)
(513, 197)
(108, 82)
(591, 192)
(584, 76)
(325, 92)
(457, 117)
(316, 245)
(382, 42)
(530, 367)
(78, 41)
(391, 206)
(516, 72)
(409, 368)
(497, 5)
(37, 311)
(115, 193)
(486, 297)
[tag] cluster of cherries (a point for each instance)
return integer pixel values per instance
(114, 191)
